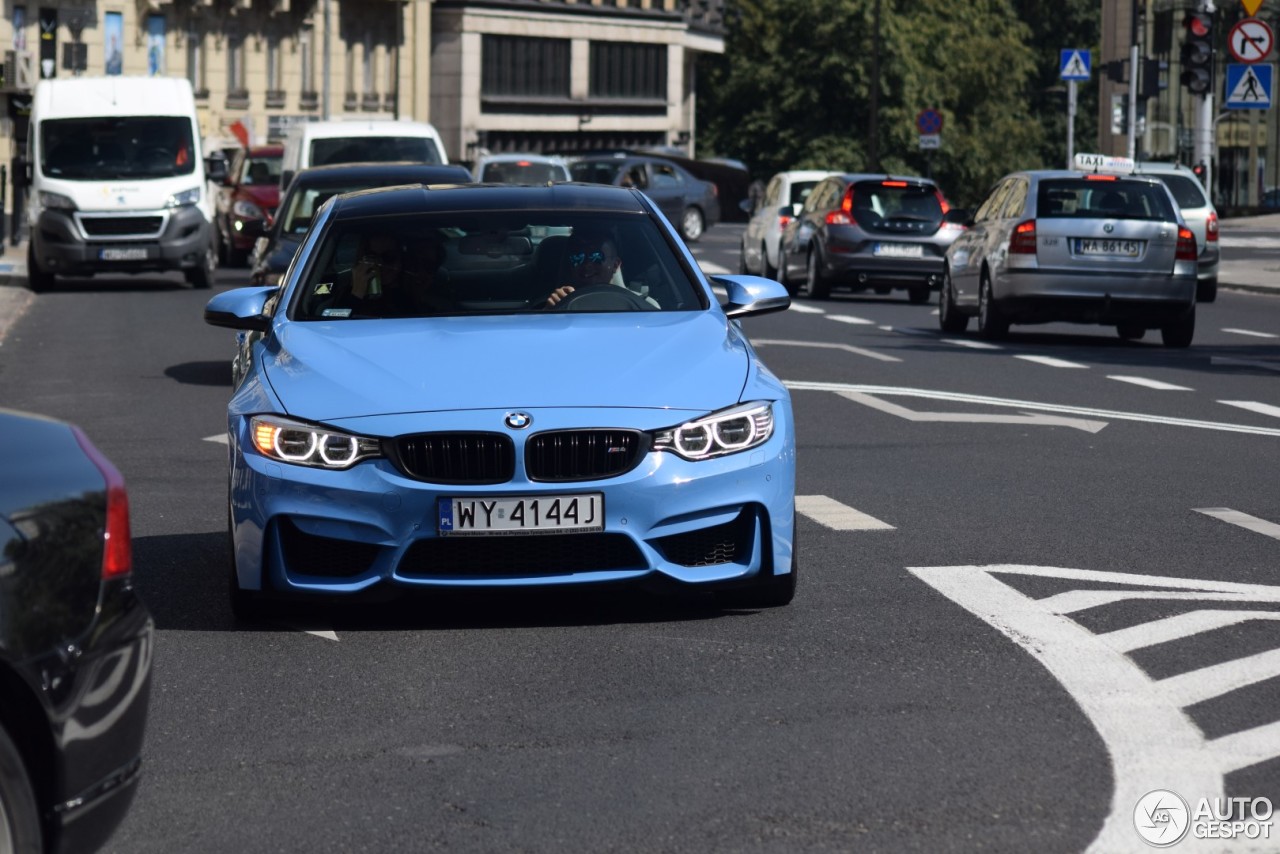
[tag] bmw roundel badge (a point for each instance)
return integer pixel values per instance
(518, 420)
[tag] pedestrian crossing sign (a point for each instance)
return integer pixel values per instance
(1248, 86)
(1074, 65)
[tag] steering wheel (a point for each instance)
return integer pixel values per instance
(603, 298)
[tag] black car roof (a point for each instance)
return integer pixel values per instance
(487, 197)
(399, 172)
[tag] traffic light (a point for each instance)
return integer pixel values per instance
(1198, 169)
(1197, 52)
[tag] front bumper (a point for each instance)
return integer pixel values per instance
(711, 522)
(74, 243)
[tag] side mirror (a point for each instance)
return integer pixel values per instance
(752, 295)
(241, 308)
(215, 169)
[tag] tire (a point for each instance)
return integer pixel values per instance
(19, 815)
(950, 319)
(783, 278)
(742, 262)
(816, 285)
(1131, 331)
(692, 224)
(917, 295)
(1179, 333)
(1207, 291)
(201, 277)
(770, 591)
(38, 281)
(767, 270)
(991, 320)
(223, 246)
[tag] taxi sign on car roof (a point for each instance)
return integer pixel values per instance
(1103, 163)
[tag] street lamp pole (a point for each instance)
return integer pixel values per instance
(873, 144)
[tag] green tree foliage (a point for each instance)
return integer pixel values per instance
(792, 89)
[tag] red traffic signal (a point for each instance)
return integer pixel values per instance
(1199, 25)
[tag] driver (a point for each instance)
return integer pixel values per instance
(593, 260)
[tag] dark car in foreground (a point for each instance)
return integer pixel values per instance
(456, 428)
(278, 241)
(249, 192)
(868, 232)
(75, 641)
(692, 205)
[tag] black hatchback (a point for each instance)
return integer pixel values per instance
(75, 641)
(869, 232)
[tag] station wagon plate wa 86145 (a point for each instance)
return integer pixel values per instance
(521, 514)
(1106, 247)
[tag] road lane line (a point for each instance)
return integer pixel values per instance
(1254, 406)
(713, 269)
(827, 345)
(1243, 520)
(1146, 383)
(832, 514)
(1051, 362)
(1196, 686)
(846, 318)
(801, 308)
(1251, 332)
(972, 345)
(972, 417)
(1180, 626)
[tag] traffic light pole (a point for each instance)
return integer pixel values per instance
(1133, 99)
(1205, 125)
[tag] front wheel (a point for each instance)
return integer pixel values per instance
(992, 322)
(692, 224)
(201, 277)
(37, 279)
(949, 317)
(19, 816)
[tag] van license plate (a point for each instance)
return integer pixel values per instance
(133, 253)
(521, 514)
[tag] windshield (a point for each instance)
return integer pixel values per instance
(117, 147)
(522, 172)
(261, 170)
(373, 149)
(1086, 198)
(493, 263)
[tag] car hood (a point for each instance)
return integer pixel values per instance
(265, 196)
(326, 370)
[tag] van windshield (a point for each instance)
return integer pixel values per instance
(117, 147)
(373, 149)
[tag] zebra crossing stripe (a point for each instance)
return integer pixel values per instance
(1244, 520)
(1180, 626)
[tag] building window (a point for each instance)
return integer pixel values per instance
(393, 85)
(237, 93)
(369, 73)
(628, 70)
(350, 100)
(196, 63)
(515, 66)
(275, 74)
(309, 99)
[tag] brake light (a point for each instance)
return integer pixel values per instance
(1211, 227)
(942, 202)
(1099, 177)
(523, 163)
(1023, 241)
(117, 551)
(839, 218)
(846, 202)
(893, 183)
(1186, 245)
(784, 221)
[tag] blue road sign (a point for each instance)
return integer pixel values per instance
(1248, 86)
(929, 121)
(1074, 64)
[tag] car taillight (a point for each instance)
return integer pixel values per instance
(784, 221)
(1211, 227)
(839, 218)
(942, 202)
(1186, 245)
(1023, 241)
(117, 551)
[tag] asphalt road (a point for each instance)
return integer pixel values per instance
(1037, 582)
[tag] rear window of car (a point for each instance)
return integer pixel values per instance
(521, 172)
(879, 203)
(1186, 190)
(1083, 198)
(373, 149)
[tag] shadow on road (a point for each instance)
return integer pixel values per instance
(201, 373)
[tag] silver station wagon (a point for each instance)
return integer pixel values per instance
(1097, 244)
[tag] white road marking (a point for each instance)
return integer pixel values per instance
(1251, 332)
(1150, 739)
(934, 312)
(828, 345)
(972, 417)
(1243, 520)
(220, 438)
(972, 345)
(832, 514)
(981, 400)
(1244, 363)
(801, 308)
(845, 318)
(1146, 383)
(1254, 406)
(1051, 362)
(713, 269)
(906, 330)
(1179, 626)
(322, 633)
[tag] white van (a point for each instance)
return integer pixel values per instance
(308, 144)
(117, 180)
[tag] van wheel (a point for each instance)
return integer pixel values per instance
(37, 279)
(19, 817)
(201, 277)
(1181, 331)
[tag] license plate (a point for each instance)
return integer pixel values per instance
(132, 253)
(1114, 248)
(521, 514)
(899, 250)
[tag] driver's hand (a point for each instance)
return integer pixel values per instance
(559, 294)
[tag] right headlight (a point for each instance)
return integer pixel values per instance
(729, 431)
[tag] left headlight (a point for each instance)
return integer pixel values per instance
(247, 210)
(302, 444)
(184, 198)
(726, 432)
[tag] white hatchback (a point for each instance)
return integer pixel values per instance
(1201, 217)
(783, 197)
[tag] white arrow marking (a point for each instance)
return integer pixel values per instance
(1244, 520)
(972, 417)
(220, 438)
(980, 400)
(857, 351)
(1143, 381)
(322, 633)
(831, 513)
(1253, 406)
(1051, 362)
